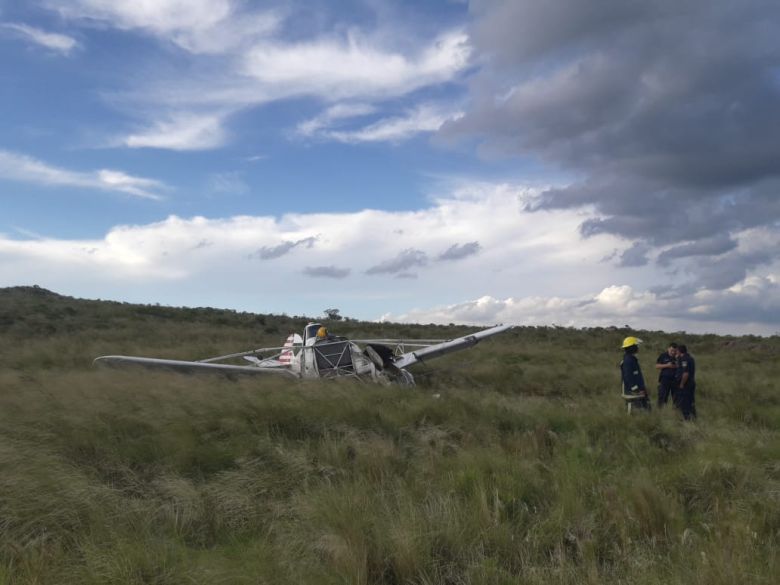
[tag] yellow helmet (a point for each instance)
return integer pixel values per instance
(322, 333)
(629, 341)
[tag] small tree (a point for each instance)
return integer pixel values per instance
(333, 314)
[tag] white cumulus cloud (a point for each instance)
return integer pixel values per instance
(532, 268)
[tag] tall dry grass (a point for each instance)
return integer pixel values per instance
(513, 462)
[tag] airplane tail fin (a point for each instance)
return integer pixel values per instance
(287, 355)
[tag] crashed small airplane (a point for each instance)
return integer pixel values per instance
(318, 354)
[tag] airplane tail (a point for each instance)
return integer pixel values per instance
(287, 355)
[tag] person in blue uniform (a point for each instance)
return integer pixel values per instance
(666, 364)
(631, 373)
(685, 381)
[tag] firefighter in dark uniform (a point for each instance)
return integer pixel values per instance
(666, 364)
(631, 373)
(685, 381)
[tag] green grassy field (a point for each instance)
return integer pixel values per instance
(513, 462)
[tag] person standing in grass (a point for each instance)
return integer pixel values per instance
(666, 364)
(631, 373)
(685, 382)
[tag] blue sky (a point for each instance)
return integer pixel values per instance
(68, 108)
(436, 160)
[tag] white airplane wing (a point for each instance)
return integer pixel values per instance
(439, 349)
(185, 366)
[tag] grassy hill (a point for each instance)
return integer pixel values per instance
(513, 462)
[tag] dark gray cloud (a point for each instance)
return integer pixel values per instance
(668, 111)
(713, 246)
(409, 258)
(516, 32)
(634, 256)
(458, 251)
(326, 272)
(271, 252)
(729, 269)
